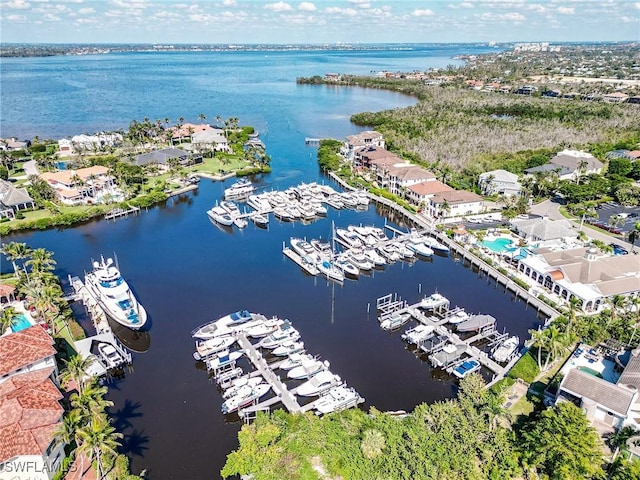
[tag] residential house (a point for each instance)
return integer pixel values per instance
(615, 97)
(397, 177)
(608, 398)
(373, 157)
(499, 182)
(187, 130)
(367, 138)
(13, 199)
(64, 146)
(162, 157)
(84, 185)
(583, 273)
(621, 153)
(526, 90)
(454, 203)
(420, 193)
(27, 350)
(11, 144)
(570, 164)
(538, 230)
(88, 143)
(212, 139)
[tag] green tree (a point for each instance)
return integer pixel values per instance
(540, 341)
(99, 439)
(15, 251)
(372, 444)
(6, 318)
(562, 444)
(76, 370)
(40, 261)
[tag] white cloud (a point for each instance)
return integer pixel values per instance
(422, 12)
(16, 5)
(229, 3)
(16, 18)
(467, 5)
(86, 21)
(638, 5)
(509, 17)
(130, 4)
(307, 7)
(566, 10)
(279, 7)
(86, 11)
(361, 3)
(349, 12)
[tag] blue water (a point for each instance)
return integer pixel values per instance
(20, 322)
(187, 271)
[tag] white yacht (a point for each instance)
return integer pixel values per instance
(212, 346)
(434, 244)
(260, 202)
(346, 266)
(231, 208)
(110, 356)
(418, 334)
(295, 360)
(329, 270)
(457, 316)
(373, 256)
(506, 349)
(241, 188)
(348, 199)
(227, 324)
(244, 398)
(467, 367)
(359, 259)
(303, 248)
(336, 399)
(334, 201)
(434, 300)
(389, 253)
(350, 239)
(320, 382)
(307, 367)
(416, 244)
(113, 294)
(220, 215)
(394, 321)
(323, 248)
(265, 328)
(283, 214)
(285, 333)
(288, 348)
(260, 219)
(240, 385)
(223, 359)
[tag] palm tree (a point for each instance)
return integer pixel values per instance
(76, 370)
(202, 117)
(99, 438)
(616, 302)
(15, 251)
(372, 444)
(634, 234)
(91, 400)
(41, 260)
(6, 318)
(540, 341)
(557, 344)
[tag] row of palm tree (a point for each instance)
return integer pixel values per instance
(87, 425)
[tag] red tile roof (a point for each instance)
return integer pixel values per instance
(455, 197)
(19, 349)
(29, 414)
(6, 290)
(430, 187)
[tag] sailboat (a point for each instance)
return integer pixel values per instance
(326, 266)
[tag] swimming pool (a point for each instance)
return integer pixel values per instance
(590, 371)
(20, 322)
(498, 245)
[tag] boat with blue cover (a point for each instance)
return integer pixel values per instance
(467, 367)
(114, 295)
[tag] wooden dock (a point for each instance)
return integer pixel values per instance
(121, 212)
(310, 268)
(96, 313)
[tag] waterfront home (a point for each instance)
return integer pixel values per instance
(212, 139)
(27, 350)
(454, 204)
(89, 143)
(419, 193)
(621, 153)
(13, 199)
(499, 182)
(7, 294)
(373, 157)
(81, 186)
(11, 144)
(162, 157)
(396, 178)
(570, 165)
(369, 138)
(583, 273)
(545, 230)
(594, 383)
(187, 130)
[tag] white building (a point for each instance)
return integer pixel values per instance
(212, 139)
(499, 182)
(84, 185)
(569, 165)
(89, 143)
(455, 204)
(354, 143)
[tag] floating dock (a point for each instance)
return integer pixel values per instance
(308, 267)
(121, 212)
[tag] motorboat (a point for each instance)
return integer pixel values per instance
(467, 367)
(418, 247)
(476, 322)
(457, 316)
(285, 333)
(448, 354)
(434, 244)
(293, 211)
(113, 294)
(417, 334)
(348, 268)
(260, 219)
(334, 201)
(329, 270)
(241, 384)
(378, 234)
(220, 215)
(283, 214)
(226, 377)
(231, 208)
(223, 359)
(359, 259)
(259, 202)
(318, 208)
(294, 360)
(242, 188)
(227, 324)
(395, 320)
(265, 328)
(323, 248)
(506, 349)
(374, 257)
(240, 222)
(302, 247)
(350, 239)
(244, 398)
(404, 251)
(287, 348)
(212, 346)
(348, 199)
(320, 382)
(306, 210)
(336, 399)
(307, 367)
(388, 252)
(363, 234)
(362, 197)
(110, 356)
(434, 300)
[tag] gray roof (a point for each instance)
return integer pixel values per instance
(545, 229)
(614, 398)
(160, 156)
(631, 373)
(209, 136)
(11, 196)
(550, 167)
(572, 162)
(499, 176)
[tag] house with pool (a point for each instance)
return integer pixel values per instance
(605, 386)
(30, 410)
(583, 273)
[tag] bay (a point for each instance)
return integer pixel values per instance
(187, 271)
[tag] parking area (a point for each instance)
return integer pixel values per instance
(628, 216)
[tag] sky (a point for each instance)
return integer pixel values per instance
(320, 21)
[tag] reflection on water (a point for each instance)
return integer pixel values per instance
(137, 341)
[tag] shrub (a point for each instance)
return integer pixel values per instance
(525, 369)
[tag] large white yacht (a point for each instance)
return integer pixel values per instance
(114, 295)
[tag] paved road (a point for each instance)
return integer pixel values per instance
(551, 209)
(30, 168)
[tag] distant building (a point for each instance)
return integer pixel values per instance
(161, 157)
(213, 139)
(570, 164)
(89, 143)
(615, 97)
(628, 154)
(367, 138)
(545, 230)
(499, 182)
(13, 199)
(454, 203)
(420, 193)
(84, 185)
(11, 144)
(187, 130)
(526, 90)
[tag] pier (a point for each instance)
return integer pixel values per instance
(312, 141)
(306, 266)
(121, 212)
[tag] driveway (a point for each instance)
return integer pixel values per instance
(30, 168)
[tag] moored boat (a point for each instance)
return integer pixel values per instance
(260, 219)
(114, 295)
(329, 270)
(241, 384)
(336, 399)
(220, 215)
(418, 334)
(434, 300)
(320, 382)
(241, 188)
(288, 348)
(212, 346)
(476, 322)
(245, 398)
(307, 367)
(285, 333)
(467, 367)
(506, 349)
(223, 359)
